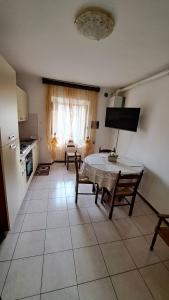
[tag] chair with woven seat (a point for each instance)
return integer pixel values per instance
(83, 180)
(126, 186)
(163, 231)
(70, 153)
(101, 150)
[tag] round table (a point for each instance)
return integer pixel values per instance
(99, 170)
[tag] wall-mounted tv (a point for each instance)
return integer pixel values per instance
(125, 118)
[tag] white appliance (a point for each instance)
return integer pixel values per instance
(10, 199)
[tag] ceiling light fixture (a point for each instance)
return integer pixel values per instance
(94, 23)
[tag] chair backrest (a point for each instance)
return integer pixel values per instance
(127, 184)
(104, 150)
(71, 148)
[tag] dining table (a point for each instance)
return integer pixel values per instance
(98, 169)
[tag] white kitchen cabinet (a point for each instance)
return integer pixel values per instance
(11, 173)
(22, 105)
(35, 150)
(8, 103)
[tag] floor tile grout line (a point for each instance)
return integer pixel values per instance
(11, 259)
(137, 268)
(43, 260)
(73, 256)
(104, 261)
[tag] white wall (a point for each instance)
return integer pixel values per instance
(103, 134)
(150, 145)
(36, 101)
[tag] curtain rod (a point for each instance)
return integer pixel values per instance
(70, 84)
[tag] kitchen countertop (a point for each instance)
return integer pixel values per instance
(31, 143)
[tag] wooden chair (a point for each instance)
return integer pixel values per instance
(104, 150)
(161, 230)
(83, 180)
(126, 186)
(70, 153)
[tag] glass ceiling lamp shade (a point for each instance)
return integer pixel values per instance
(94, 23)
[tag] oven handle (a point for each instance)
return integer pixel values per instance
(13, 146)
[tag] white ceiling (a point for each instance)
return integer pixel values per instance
(39, 37)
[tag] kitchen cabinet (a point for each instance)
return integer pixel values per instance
(22, 105)
(10, 169)
(35, 150)
(8, 103)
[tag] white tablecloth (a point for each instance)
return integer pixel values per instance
(99, 170)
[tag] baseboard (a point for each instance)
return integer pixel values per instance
(156, 212)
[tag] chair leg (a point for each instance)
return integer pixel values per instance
(93, 189)
(132, 205)
(111, 209)
(67, 162)
(97, 192)
(76, 193)
(103, 194)
(155, 234)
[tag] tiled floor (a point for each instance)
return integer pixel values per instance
(57, 250)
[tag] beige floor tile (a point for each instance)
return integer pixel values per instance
(130, 286)
(58, 271)
(78, 216)
(57, 219)
(167, 264)
(30, 244)
(37, 206)
(64, 294)
(58, 239)
(71, 203)
(126, 228)
(86, 201)
(119, 213)
(160, 247)
(140, 251)
(40, 194)
(32, 298)
(97, 290)
(56, 185)
(7, 246)
(145, 224)
(97, 214)
(4, 267)
(57, 193)
(24, 278)
(83, 235)
(117, 258)
(89, 264)
(35, 221)
(157, 279)
(106, 232)
(57, 204)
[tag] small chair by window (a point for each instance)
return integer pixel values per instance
(163, 231)
(83, 180)
(126, 186)
(102, 150)
(70, 153)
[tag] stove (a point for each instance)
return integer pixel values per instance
(23, 147)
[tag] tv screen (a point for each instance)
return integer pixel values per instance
(122, 118)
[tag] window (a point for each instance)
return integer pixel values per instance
(70, 119)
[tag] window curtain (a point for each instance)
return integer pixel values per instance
(69, 115)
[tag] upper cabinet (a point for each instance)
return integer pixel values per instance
(8, 103)
(22, 104)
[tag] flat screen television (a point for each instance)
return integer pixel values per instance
(125, 118)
